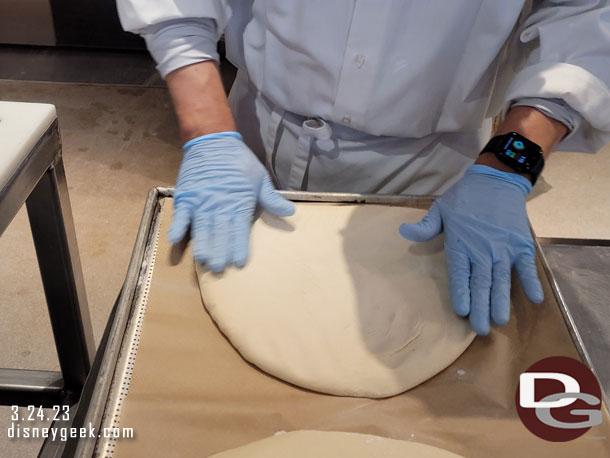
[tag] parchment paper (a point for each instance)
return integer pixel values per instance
(193, 395)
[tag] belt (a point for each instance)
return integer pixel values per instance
(311, 128)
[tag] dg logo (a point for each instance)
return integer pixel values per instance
(559, 399)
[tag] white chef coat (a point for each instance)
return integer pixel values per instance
(427, 72)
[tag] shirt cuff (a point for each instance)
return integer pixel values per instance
(176, 44)
(553, 108)
(581, 90)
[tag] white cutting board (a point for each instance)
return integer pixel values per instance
(21, 126)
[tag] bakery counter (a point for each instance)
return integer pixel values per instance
(572, 197)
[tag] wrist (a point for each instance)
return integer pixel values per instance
(490, 160)
(534, 125)
(194, 126)
(514, 178)
(214, 136)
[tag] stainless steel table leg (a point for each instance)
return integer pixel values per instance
(52, 226)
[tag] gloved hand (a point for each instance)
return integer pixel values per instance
(219, 185)
(486, 235)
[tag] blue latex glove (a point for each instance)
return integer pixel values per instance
(220, 182)
(486, 235)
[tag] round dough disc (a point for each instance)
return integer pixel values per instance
(319, 444)
(333, 299)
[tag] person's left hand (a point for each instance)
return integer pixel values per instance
(487, 233)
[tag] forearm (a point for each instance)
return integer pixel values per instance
(199, 100)
(532, 124)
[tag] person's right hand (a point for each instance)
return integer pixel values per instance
(219, 184)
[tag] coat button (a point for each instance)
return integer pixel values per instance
(360, 59)
(346, 119)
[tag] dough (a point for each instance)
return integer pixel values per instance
(318, 444)
(333, 299)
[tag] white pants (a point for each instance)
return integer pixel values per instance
(310, 154)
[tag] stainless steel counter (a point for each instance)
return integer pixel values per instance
(582, 277)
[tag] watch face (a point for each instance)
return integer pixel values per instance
(517, 150)
(523, 155)
(518, 144)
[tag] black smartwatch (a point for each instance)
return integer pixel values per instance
(519, 153)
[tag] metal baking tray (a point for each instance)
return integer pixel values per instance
(103, 388)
